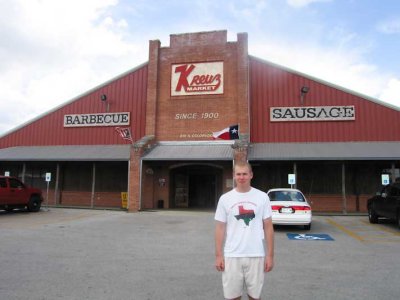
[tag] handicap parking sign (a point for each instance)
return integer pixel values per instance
(309, 237)
(385, 179)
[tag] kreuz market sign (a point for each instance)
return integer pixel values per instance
(312, 113)
(197, 79)
(107, 119)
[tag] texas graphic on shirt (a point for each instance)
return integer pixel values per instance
(245, 214)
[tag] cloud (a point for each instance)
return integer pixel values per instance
(389, 26)
(303, 3)
(391, 93)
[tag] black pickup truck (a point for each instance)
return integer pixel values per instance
(385, 204)
(15, 194)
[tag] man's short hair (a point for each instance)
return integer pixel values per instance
(243, 164)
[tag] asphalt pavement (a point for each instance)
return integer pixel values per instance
(169, 254)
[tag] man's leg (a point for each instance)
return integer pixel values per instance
(254, 277)
(232, 278)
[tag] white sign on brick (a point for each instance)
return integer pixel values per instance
(197, 79)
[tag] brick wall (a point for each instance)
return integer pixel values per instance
(75, 198)
(84, 199)
(334, 203)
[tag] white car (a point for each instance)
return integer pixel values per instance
(290, 207)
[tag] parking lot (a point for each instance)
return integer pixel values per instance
(166, 254)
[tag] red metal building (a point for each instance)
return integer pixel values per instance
(337, 142)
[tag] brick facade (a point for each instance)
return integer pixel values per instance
(231, 107)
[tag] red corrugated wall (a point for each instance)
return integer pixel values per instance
(126, 93)
(273, 86)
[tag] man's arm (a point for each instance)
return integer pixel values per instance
(269, 238)
(220, 228)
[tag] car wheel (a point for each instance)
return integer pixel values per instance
(372, 216)
(9, 209)
(34, 204)
(307, 227)
(398, 219)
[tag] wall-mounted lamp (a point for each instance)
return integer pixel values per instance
(303, 91)
(103, 98)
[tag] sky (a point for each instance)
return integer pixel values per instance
(52, 51)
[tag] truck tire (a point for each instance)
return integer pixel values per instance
(34, 204)
(372, 216)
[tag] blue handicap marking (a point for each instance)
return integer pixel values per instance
(309, 237)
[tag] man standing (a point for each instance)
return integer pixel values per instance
(243, 223)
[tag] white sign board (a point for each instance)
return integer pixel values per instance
(7, 173)
(106, 119)
(292, 178)
(48, 177)
(385, 179)
(312, 113)
(197, 79)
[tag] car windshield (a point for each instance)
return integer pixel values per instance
(286, 196)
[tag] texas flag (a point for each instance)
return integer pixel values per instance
(125, 133)
(228, 133)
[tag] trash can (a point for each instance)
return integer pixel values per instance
(160, 204)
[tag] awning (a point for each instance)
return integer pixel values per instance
(190, 151)
(67, 153)
(325, 151)
(209, 151)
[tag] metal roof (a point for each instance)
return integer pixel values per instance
(209, 151)
(66, 153)
(325, 151)
(191, 151)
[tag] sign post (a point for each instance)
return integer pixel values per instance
(291, 180)
(48, 179)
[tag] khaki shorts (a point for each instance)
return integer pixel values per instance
(243, 272)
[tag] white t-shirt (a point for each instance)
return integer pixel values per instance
(243, 214)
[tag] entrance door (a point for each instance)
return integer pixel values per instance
(181, 190)
(202, 190)
(195, 186)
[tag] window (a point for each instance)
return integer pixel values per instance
(3, 183)
(319, 177)
(14, 183)
(78, 176)
(286, 196)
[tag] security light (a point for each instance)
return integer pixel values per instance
(303, 91)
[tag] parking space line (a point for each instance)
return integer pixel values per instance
(382, 240)
(383, 228)
(344, 229)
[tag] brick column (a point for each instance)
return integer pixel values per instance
(243, 103)
(134, 180)
(152, 87)
(135, 188)
(240, 148)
